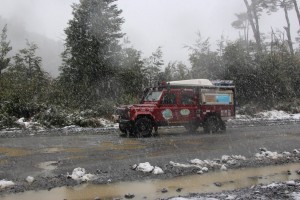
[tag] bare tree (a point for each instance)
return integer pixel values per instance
(297, 10)
(242, 22)
(287, 5)
(253, 16)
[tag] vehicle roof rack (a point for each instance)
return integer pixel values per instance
(199, 83)
(191, 82)
(222, 82)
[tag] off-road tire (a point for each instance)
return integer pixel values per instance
(211, 124)
(143, 127)
(222, 126)
(125, 131)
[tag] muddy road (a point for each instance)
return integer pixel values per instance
(50, 157)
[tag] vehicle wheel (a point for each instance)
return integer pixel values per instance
(211, 124)
(222, 126)
(123, 130)
(143, 127)
(191, 127)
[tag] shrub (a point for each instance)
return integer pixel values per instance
(7, 121)
(53, 116)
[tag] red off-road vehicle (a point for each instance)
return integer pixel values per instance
(189, 103)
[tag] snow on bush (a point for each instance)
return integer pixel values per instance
(225, 158)
(79, 174)
(29, 179)
(205, 165)
(296, 151)
(291, 183)
(147, 168)
(4, 183)
(157, 170)
(272, 185)
(193, 198)
(29, 124)
(296, 195)
(268, 115)
(197, 162)
(274, 114)
(182, 165)
(264, 153)
(238, 157)
(223, 168)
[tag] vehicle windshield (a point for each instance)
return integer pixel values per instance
(153, 96)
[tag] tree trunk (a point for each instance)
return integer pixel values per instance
(297, 10)
(288, 30)
(255, 15)
(252, 15)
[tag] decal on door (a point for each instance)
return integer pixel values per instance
(167, 114)
(185, 112)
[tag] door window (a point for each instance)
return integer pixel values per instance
(187, 99)
(169, 98)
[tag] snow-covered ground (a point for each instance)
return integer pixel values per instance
(4, 183)
(269, 115)
(273, 115)
(147, 168)
(79, 174)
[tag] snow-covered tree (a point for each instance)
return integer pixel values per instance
(92, 50)
(153, 67)
(5, 48)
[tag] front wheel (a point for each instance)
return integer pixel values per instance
(143, 127)
(125, 130)
(211, 124)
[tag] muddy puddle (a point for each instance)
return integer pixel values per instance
(152, 189)
(48, 166)
(13, 152)
(121, 145)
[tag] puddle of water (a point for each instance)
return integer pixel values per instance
(3, 162)
(13, 152)
(122, 145)
(232, 179)
(56, 149)
(49, 165)
(51, 150)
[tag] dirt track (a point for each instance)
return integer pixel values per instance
(51, 156)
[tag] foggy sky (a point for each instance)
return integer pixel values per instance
(170, 24)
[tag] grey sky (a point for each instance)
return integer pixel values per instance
(148, 23)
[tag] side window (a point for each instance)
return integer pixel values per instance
(187, 99)
(169, 98)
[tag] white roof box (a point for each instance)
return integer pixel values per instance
(191, 82)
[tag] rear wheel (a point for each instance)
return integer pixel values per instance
(191, 127)
(211, 124)
(222, 126)
(143, 127)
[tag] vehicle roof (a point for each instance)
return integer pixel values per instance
(191, 82)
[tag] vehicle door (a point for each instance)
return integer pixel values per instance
(187, 106)
(168, 106)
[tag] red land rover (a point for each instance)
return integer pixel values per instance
(189, 103)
